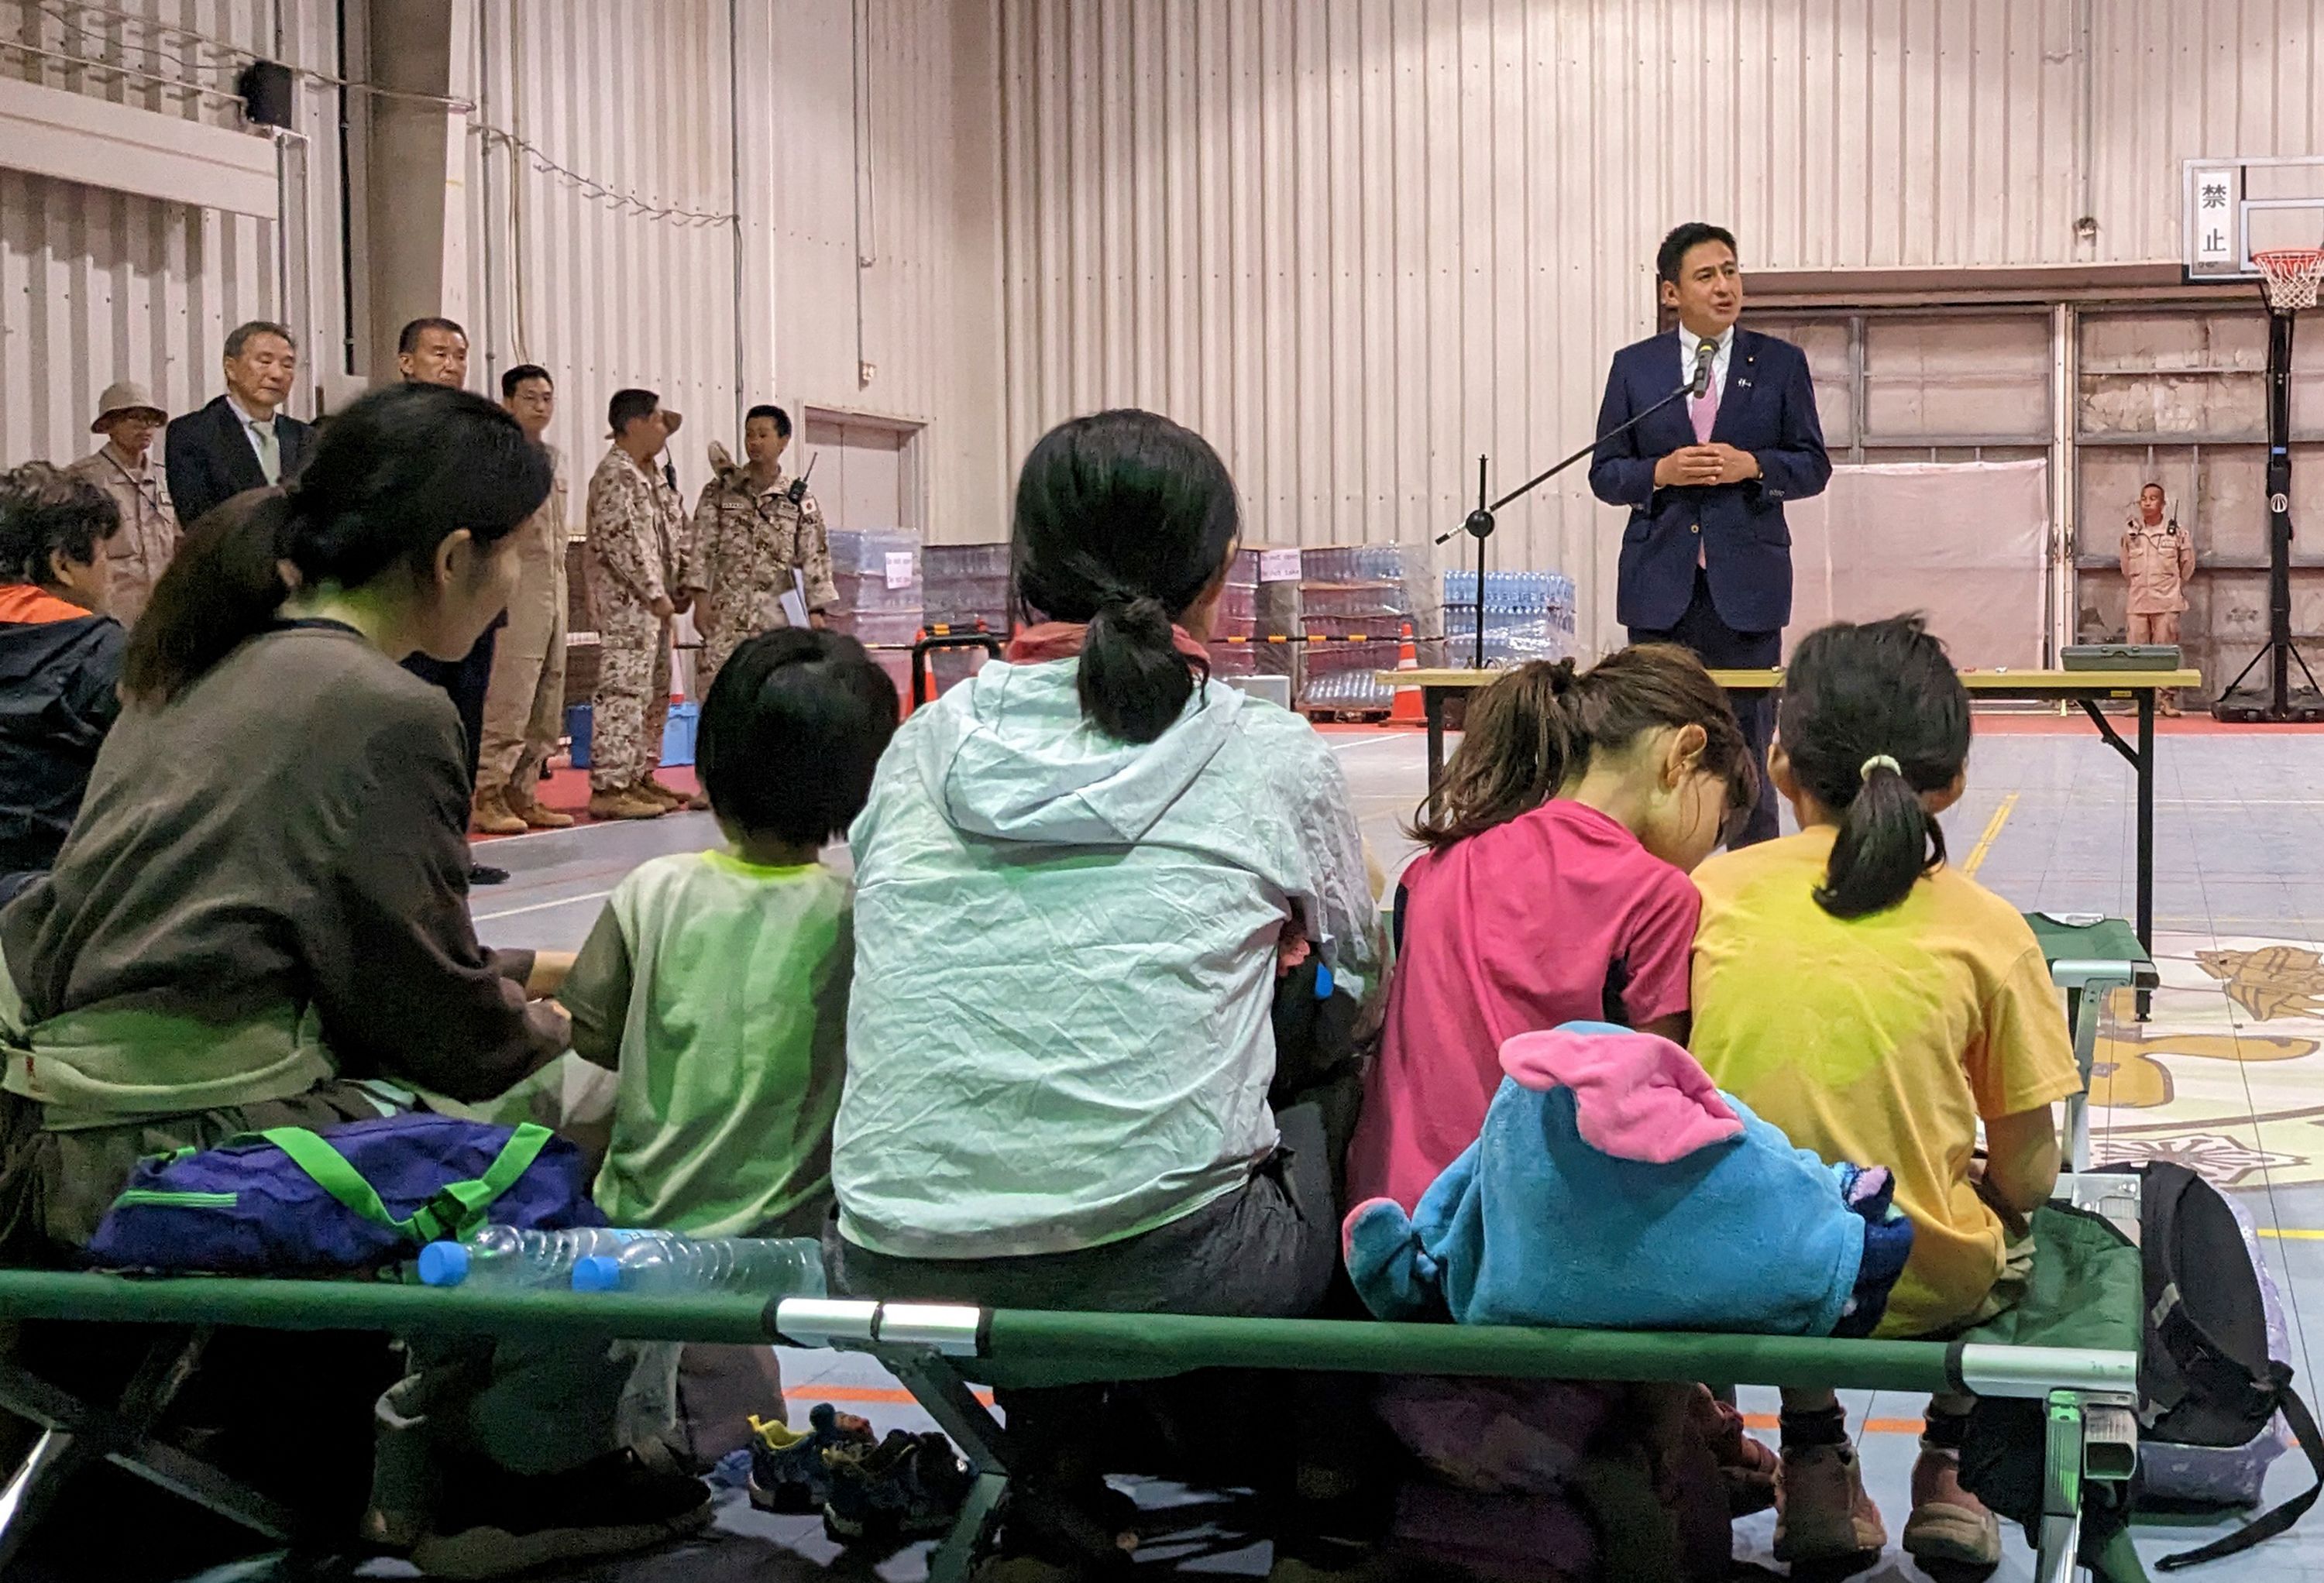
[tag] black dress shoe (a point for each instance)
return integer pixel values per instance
(485, 874)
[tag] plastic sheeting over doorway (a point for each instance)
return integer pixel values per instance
(1965, 542)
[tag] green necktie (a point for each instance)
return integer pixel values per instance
(270, 452)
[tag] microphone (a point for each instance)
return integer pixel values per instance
(1706, 352)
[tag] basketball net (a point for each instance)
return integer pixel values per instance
(2292, 275)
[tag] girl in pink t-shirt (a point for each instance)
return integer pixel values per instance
(1554, 891)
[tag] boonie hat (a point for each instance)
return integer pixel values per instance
(125, 396)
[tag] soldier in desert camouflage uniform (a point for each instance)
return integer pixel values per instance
(752, 529)
(636, 529)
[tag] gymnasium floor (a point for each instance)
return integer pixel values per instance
(2228, 1074)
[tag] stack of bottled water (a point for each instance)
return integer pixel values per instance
(882, 603)
(1528, 616)
(1359, 597)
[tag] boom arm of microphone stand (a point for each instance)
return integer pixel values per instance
(1538, 479)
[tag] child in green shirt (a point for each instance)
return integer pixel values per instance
(715, 983)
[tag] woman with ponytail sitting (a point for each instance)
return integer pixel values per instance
(260, 919)
(1074, 878)
(1876, 1004)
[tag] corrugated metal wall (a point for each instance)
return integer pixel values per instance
(870, 134)
(97, 285)
(2179, 80)
(1358, 241)
(621, 273)
(848, 148)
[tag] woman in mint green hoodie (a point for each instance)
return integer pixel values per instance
(1075, 877)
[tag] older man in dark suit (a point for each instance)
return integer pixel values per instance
(242, 440)
(1706, 555)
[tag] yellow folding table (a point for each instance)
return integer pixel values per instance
(2086, 688)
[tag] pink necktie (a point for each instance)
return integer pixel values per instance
(1704, 409)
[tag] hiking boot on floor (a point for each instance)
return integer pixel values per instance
(700, 803)
(626, 804)
(667, 796)
(537, 816)
(493, 817)
(495, 1524)
(788, 1470)
(1823, 1519)
(911, 1486)
(1949, 1526)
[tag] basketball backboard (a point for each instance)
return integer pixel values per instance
(2235, 207)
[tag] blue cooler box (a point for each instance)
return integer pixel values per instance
(676, 736)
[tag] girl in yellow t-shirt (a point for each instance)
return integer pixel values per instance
(1878, 1005)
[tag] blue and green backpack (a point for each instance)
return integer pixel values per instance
(292, 1201)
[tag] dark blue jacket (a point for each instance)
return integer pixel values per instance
(209, 459)
(1767, 408)
(59, 668)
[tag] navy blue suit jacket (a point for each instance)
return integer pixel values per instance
(1767, 408)
(209, 460)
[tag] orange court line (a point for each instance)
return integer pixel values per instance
(1871, 1425)
(879, 1394)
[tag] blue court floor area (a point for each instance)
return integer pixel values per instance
(2228, 1075)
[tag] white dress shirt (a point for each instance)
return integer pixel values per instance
(1687, 341)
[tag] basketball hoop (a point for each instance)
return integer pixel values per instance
(2292, 276)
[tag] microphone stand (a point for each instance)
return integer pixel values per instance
(1478, 524)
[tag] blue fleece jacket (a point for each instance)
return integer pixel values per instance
(1614, 1187)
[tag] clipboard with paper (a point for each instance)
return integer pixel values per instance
(792, 600)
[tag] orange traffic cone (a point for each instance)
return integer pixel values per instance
(1407, 710)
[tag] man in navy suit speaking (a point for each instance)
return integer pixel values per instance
(1706, 555)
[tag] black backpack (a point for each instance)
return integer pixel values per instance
(2204, 1374)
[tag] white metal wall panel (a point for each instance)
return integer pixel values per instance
(576, 272)
(870, 132)
(97, 285)
(646, 101)
(2180, 79)
(1357, 242)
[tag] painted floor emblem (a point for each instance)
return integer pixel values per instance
(2227, 1076)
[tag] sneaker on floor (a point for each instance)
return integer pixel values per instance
(496, 1525)
(624, 804)
(1948, 1526)
(1823, 1518)
(485, 874)
(537, 816)
(911, 1486)
(493, 815)
(788, 1470)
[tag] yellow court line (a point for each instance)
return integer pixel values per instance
(2289, 1234)
(1975, 860)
